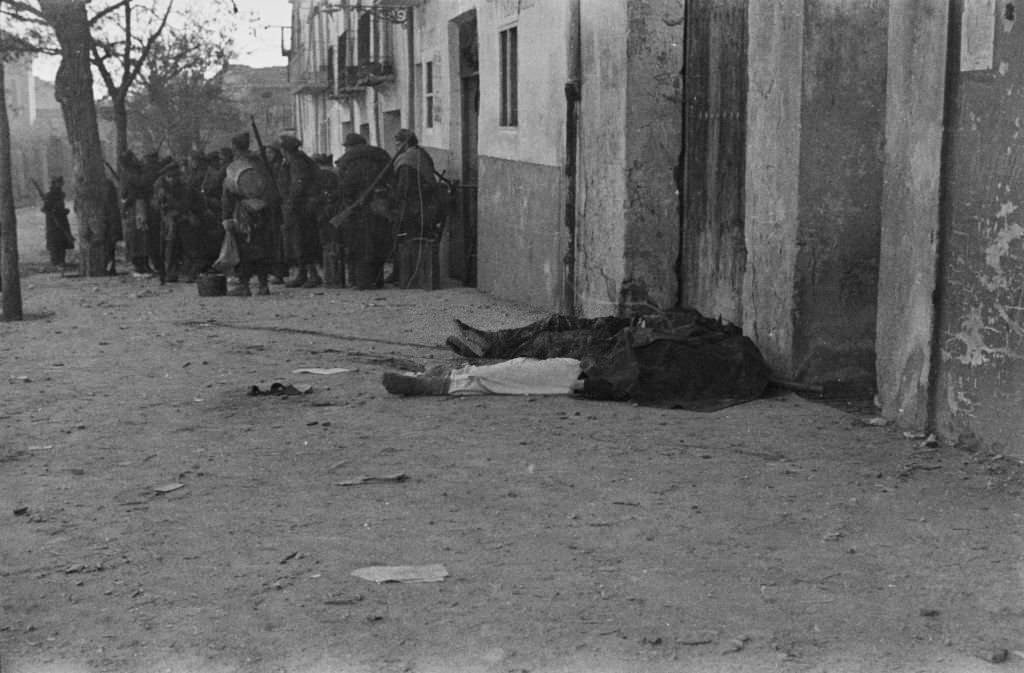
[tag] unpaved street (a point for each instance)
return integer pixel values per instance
(154, 516)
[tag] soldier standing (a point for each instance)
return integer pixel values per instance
(279, 258)
(58, 229)
(302, 237)
(246, 204)
(324, 207)
(177, 225)
(364, 172)
(133, 214)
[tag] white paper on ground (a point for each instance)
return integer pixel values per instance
(434, 572)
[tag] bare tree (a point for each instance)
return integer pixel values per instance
(180, 99)
(120, 49)
(9, 278)
(74, 91)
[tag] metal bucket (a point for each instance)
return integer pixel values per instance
(246, 178)
(212, 285)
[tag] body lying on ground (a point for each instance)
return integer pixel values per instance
(676, 359)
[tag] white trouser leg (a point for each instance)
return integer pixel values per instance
(519, 376)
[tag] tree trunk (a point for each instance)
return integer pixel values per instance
(121, 127)
(9, 279)
(73, 90)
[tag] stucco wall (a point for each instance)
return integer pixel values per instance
(519, 243)
(601, 191)
(979, 382)
(841, 141)
(915, 90)
(521, 229)
(653, 131)
(771, 190)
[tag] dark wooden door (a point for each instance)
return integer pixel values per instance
(462, 258)
(713, 249)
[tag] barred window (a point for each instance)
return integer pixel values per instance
(428, 91)
(509, 64)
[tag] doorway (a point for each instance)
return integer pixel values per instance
(463, 223)
(712, 255)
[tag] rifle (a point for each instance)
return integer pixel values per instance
(340, 218)
(112, 171)
(263, 155)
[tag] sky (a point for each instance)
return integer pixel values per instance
(262, 49)
(258, 42)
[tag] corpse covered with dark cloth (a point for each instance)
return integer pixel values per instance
(674, 359)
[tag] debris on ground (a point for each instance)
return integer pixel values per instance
(322, 371)
(168, 488)
(434, 572)
(278, 388)
(995, 655)
(289, 557)
(702, 637)
(367, 479)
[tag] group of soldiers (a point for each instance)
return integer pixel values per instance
(289, 214)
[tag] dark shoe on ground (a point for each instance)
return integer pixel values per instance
(240, 291)
(262, 290)
(398, 383)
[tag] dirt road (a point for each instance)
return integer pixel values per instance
(156, 517)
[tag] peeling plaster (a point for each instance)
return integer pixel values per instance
(996, 278)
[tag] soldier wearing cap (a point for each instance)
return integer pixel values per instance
(297, 185)
(415, 188)
(364, 180)
(246, 214)
(58, 230)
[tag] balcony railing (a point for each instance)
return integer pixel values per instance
(355, 78)
(312, 81)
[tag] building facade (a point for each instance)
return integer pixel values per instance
(838, 177)
(39, 147)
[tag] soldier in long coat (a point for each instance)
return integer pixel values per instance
(364, 179)
(58, 229)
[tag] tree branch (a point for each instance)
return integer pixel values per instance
(19, 6)
(101, 65)
(154, 36)
(106, 11)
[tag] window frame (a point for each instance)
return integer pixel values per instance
(508, 77)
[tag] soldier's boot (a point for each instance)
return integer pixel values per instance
(313, 278)
(299, 279)
(241, 290)
(264, 288)
(433, 382)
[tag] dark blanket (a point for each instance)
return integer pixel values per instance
(676, 359)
